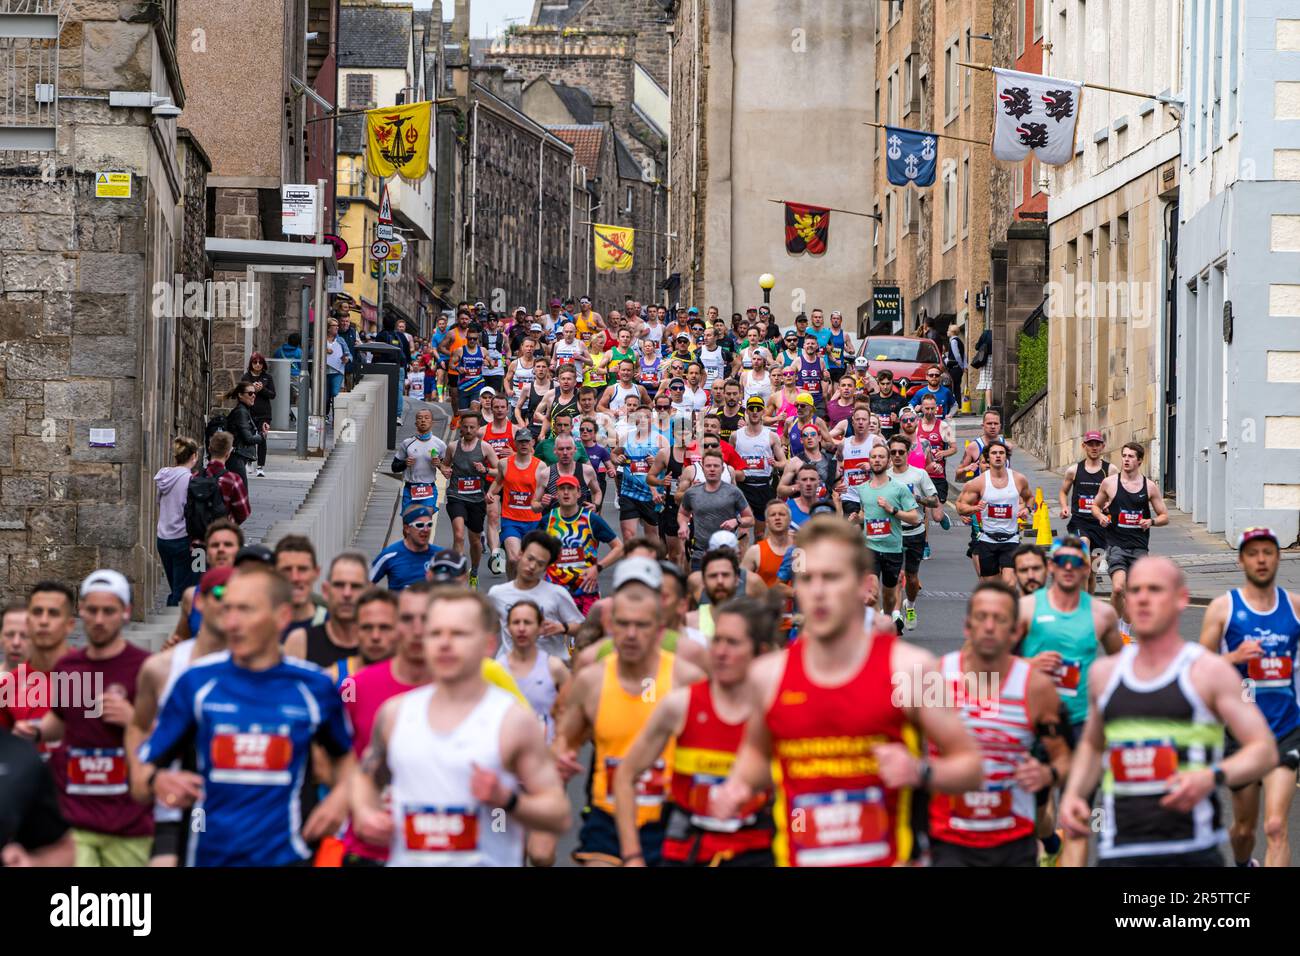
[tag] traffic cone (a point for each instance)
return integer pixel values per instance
(1042, 520)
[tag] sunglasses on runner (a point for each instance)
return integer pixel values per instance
(1068, 560)
(421, 525)
(898, 451)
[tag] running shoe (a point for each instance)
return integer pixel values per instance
(898, 622)
(1125, 632)
(945, 522)
(909, 617)
(473, 582)
(925, 555)
(1052, 859)
(497, 563)
(261, 472)
(1101, 564)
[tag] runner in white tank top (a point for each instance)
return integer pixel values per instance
(437, 820)
(1001, 506)
(467, 765)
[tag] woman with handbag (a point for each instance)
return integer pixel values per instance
(260, 378)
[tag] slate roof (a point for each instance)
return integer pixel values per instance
(378, 37)
(628, 167)
(577, 101)
(556, 13)
(585, 140)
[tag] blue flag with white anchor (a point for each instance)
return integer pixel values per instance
(910, 156)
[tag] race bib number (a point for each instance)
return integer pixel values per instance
(1000, 512)
(421, 492)
(441, 829)
(1068, 677)
(1270, 670)
(99, 772)
(650, 786)
(1130, 519)
(641, 467)
(1143, 767)
(570, 556)
(982, 810)
(469, 486)
(1085, 503)
(253, 756)
(842, 828)
(755, 463)
(854, 477)
(697, 804)
(519, 499)
(878, 527)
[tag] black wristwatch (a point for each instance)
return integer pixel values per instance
(926, 772)
(509, 805)
(1220, 776)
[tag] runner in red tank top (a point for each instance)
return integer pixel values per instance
(500, 435)
(1007, 706)
(708, 720)
(844, 754)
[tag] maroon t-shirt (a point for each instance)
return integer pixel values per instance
(90, 768)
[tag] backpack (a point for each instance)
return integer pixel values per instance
(217, 423)
(204, 503)
(982, 350)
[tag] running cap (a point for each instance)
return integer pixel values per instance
(214, 578)
(677, 383)
(106, 579)
(641, 570)
(804, 398)
(447, 565)
(1247, 536)
(862, 362)
(569, 480)
(255, 552)
(487, 390)
(556, 303)
(755, 401)
(535, 327)
(1093, 436)
(683, 335)
(822, 507)
(724, 539)
(692, 311)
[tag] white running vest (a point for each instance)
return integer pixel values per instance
(1000, 508)
(437, 820)
(757, 452)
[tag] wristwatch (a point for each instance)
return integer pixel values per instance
(509, 805)
(1220, 776)
(926, 772)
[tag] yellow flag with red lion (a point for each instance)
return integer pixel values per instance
(613, 247)
(397, 141)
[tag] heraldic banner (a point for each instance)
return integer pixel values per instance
(1034, 113)
(613, 247)
(806, 229)
(910, 156)
(397, 141)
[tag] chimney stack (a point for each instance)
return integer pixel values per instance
(460, 23)
(602, 112)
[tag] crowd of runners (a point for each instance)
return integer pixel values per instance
(736, 689)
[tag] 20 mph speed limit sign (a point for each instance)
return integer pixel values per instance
(379, 249)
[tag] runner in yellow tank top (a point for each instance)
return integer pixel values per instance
(610, 703)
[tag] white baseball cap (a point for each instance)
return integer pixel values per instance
(724, 539)
(642, 570)
(114, 582)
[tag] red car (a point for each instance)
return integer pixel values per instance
(906, 357)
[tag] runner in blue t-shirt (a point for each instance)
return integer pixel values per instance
(404, 562)
(251, 716)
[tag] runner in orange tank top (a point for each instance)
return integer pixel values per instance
(610, 703)
(514, 490)
(764, 559)
(829, 736)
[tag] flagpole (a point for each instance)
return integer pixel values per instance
(977, 142)
(1088, 86)
(648, 232)
(850, 212)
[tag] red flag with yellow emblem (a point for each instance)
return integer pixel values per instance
(806, 229)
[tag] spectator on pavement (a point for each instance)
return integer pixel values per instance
(233, 489)
(173, 541)
(259, 376)
(247, 434)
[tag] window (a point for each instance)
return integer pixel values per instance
(1036, 176)
(1020, 27)
(1081, 41)
(875, 239)
(968, 75)
(949, 207)
(360, 90)
(965, 194)
(627, 206)
(891, 101)
(875, 115)
(1233, 39)
(910, 100)
(1038, 18)
(950, 82)
(889, 226)
(1018, 187)
(1218, 73)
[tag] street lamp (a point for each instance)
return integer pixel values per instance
(765, 282)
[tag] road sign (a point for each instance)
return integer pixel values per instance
(396, 250)
(112, 185)
(298, 209)
(340, 246)
(384, 230)
(385, 208)
(379, 249)
(334, 283)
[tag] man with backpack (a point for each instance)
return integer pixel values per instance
(215, 492)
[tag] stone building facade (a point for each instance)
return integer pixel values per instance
(82, 345)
